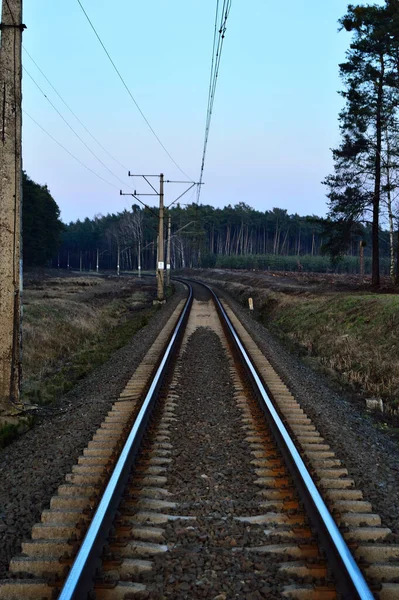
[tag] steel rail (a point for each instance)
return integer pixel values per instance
(350, 579)
(80, 578)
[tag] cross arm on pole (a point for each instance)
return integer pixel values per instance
(145, 177)
(138, 200)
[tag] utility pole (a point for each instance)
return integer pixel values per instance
(160, 264)
(10, 207)
(161, 261)
(168, 251)
(139, 259)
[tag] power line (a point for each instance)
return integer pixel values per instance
(72, 112)
(72, 129)
(130, 93)
(219, 34)
(70, 153)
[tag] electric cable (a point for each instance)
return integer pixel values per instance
(72, 112)
(219, 35)
(73, 131)
(70, 153)
(130, 93)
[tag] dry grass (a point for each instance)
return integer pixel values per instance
(72, 325)
(355, 336)
(53, 330)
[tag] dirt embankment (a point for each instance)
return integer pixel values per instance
(338, 324)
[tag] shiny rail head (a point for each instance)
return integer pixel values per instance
(72, 589)
(340, 548)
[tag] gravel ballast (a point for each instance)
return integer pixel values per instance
(33, 466)
(370, 456)
(212, 479)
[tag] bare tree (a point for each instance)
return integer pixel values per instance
(131, 232)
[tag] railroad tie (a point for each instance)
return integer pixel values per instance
(47, 557)
(368, 540)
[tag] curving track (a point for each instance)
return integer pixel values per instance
(200, 484)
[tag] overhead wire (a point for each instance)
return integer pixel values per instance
(219, 35)
(129, 92)
(213, 56)
(73, 130)
(72, 112)
(70, 153)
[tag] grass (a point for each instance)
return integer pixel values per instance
(70, 327)
(96, 350)
(355, 336)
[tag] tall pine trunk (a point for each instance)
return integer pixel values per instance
(397, 259)
(375, 273)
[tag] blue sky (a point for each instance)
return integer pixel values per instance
(275, 113)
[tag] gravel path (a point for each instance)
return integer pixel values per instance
(34, 466)
(370, 456)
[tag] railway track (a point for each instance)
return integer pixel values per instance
(206, 480)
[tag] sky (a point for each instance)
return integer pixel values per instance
(275, 116)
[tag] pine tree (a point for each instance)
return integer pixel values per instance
(41, 225)
(370, 81)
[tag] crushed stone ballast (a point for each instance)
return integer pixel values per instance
(274, 513)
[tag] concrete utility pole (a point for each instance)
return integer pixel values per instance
(168, 251)
(139, 259)
(161, 261)
(160, 264)
(10, 206)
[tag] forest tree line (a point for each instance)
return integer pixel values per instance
(203, 236)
